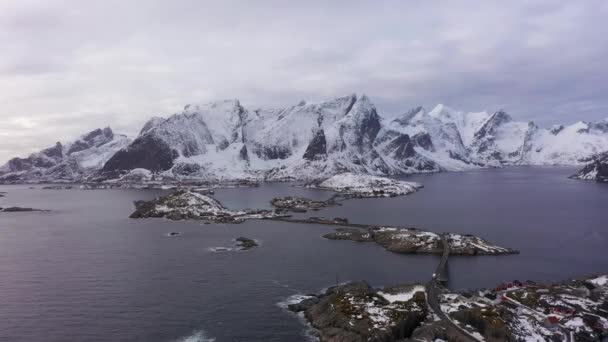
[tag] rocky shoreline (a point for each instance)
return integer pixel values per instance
(185, 204)
(357, 312)
(571, 310)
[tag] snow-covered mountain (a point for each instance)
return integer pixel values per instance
(66, 162)
(225, 141)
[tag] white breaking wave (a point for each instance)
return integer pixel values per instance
(293, 299)
(197, 336)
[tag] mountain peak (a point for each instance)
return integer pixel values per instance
(411, 116)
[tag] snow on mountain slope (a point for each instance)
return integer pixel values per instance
(317, 140)
(570, 145)
(224, 141)
(66, 162)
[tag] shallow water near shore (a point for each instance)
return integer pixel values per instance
(86, 272)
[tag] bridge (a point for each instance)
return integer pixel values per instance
(441, 272)
(435, 288)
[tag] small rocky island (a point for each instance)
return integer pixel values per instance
(414, 240)
(300, 204)
(240, 244)
(596, 170)
(20, 209)
(187, 204)
(361, 186)
(575, 310)
(57, 187)
(245, 243)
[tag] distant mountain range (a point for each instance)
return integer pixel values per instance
(226, 141)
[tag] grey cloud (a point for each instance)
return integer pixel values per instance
(67, 64)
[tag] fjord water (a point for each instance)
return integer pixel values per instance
(86, 272)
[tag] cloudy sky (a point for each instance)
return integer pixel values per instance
(71, 66)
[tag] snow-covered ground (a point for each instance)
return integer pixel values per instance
(368, 186)
(535, 312)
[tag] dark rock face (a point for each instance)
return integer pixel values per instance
(317, 149)
(146, 152)
(423, 140)
(19, 164)
(243, 154)
(596, 170)
(489, 127)
(555, 130)
(55, 151)
(401, 147)
(272, 152)
(367, 126)
(601, 126)
(186, 169)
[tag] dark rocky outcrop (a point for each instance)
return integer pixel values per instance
(356, 312)
(243, 154)
(423, 140)
(246, 243)
(186, 169)
(493, 122)
(596, 170)
(317, 149)
(272, 152)
(300, 204)
(147, 152)
(19, 209)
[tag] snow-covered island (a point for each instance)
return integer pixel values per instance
(357, 185)
(573, 310)
(186, 204)
(414, 240)
(596, 170)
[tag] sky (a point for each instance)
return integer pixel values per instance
(67, 67)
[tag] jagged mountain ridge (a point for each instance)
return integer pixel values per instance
(68, 162)
(224, 140)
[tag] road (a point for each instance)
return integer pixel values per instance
(434, 289)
